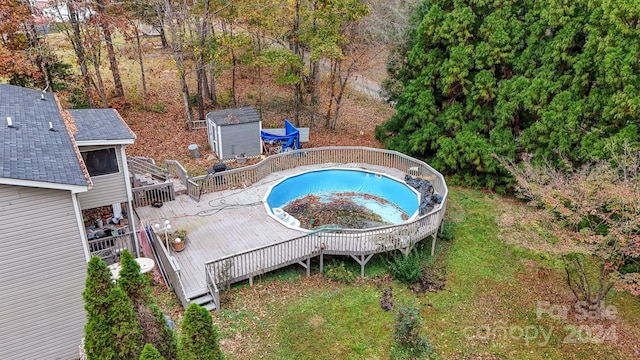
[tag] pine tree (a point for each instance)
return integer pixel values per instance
(124, 331)
(98, 287)
(199, 337)
(155, 329)
(134, 284)
(150, 353)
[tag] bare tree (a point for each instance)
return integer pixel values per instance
(178, 57)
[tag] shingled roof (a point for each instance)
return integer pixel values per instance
(242, 115)
(31, 150)
(101, 126)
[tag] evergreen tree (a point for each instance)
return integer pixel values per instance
(150, 353)
(199, 336)
(155, 330)
(124, 331)
(98, 287)
(134, 284)
(515, 78)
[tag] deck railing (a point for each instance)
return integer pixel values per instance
(142, 165)
(109, 248)
(353, 155)
(354, 242)
(176, 170)
(172, 269)
(145, 195)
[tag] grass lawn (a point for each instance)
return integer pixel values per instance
(497, 303)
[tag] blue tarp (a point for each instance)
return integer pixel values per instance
(291, 139)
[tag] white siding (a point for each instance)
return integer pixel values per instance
(107, 189)
(42, 274)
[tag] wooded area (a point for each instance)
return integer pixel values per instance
(519, 79)
(290, 43)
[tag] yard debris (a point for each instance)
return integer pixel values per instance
(335, 209)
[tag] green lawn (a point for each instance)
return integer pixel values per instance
(487, 310)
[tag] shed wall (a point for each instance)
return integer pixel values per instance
(42, 274)
(240, 138)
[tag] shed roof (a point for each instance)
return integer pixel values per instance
(247, 114)
(30, 150)
(98, 125)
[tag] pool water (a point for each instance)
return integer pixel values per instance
(390, 199)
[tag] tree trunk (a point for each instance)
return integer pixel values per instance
(201, 75)
(213, 96)
(95, 60)
(178, 57)
(78, 47)
(113, 62)
(332, 94)
(141, 62)
(343, 86)
(296, 51)
(163, 36)
(313, 89)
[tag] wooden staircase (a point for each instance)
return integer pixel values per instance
(203, 298)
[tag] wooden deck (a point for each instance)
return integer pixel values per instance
(229, 222)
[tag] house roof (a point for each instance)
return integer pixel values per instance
(242, 115)
(30, 150)
(101, 126)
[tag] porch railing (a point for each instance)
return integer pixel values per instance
(109, 248)
(170, 266)
(176, 170)
(146, 195)
(143, 165)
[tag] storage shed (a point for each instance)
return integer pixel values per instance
(235, 131)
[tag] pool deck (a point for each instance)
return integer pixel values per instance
(229, 222)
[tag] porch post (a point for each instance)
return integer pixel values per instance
(132, 222)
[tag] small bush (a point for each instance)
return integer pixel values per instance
(408, 342)
(158, 108)
(448, 231)
(406, 268)
(338, 272)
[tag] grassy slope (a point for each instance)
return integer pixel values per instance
(489, 285)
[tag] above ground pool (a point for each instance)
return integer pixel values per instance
(345, 198)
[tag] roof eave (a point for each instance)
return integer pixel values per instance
(104, 142)
(46, 185)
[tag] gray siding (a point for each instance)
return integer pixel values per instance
(107, 189)
(241, 138)
(42, 274)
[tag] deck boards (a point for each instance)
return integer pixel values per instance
(228, 222)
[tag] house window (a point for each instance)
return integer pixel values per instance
(101, 162)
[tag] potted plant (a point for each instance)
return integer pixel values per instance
(179, 240)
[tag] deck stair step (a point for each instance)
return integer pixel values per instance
(205, 300)
(146, 179)
(178, 186)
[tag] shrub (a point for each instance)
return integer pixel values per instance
(96, 295)
(338, 272)
(150, 353)
(125, 333)
(134, 284)
(155, 329)
(406, 268)
(408, 342)
(158, 108)
(199, 337)
(448, 231)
